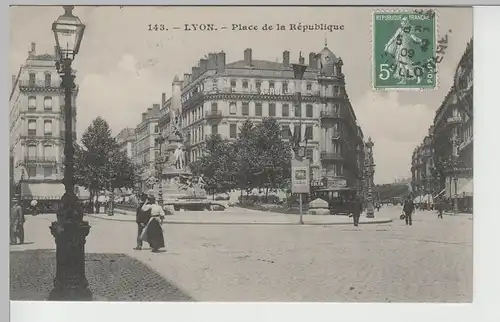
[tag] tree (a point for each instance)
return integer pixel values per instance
(274, 155)
(217, 165)
(99, 165)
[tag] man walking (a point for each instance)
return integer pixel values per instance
(408, 209)
(16, 223)
(439, 207)
(142, 218)
(357, 209)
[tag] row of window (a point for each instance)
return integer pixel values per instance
(271, 109)
(47, 103)
(258, 85)
(47, 79)
(47, 151)
(48, 171)
(47, 127)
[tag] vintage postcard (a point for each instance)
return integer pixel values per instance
(294, 154)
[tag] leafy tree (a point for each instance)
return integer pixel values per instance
(217, 165)
(274, 155)
(99, 165)
(247, 151)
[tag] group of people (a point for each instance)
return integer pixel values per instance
(149, 218)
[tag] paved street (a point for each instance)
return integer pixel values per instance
(430, 261)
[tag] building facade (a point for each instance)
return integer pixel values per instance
(444, 160)
(126, 140)
(145, 145)
(37, 127)
(218, 97)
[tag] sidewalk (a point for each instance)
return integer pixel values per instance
(241, 216)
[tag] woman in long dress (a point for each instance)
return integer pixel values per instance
(153, 232)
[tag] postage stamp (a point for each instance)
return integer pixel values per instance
(403, 50)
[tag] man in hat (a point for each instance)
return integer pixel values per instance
(408, 209)
(142, 218)
(357, 209)
(16, 222)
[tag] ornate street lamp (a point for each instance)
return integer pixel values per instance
(298, 74)
(299, 151)
(69, 230)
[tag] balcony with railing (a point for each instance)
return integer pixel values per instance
(329, 115)
(30, 159)
(454, 120)
(331, 155)
(214, 115)
(24, 83)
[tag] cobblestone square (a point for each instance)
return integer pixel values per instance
(430, 261)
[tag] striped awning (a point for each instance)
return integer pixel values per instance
(42, 190)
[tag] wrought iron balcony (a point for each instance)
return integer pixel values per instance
(329, 115)
(454, 120)
(331, 155)
(23, 83)
(215, 115)
(40, 159)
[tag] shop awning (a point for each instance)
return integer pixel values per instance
(42, 190)
(467, 190)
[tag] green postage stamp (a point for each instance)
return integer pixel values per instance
(404, 46)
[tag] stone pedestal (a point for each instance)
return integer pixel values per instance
(318, 207)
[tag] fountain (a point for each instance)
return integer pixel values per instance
(181, 190)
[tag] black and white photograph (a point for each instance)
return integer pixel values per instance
(241, 154)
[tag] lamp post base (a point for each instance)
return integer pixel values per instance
(70, 283)
(370, 211)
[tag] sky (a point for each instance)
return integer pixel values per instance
(123, 68)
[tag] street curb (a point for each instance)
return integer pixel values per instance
(110, 218)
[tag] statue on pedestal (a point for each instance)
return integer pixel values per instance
(179, 157)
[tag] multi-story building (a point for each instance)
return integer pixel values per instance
(146, 147)
(218, 97)
(126, 142)
(422, 166)
(37, 128)
(444, 161)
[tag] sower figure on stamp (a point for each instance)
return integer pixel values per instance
(16, 223)
(399, 48)
(142, 218)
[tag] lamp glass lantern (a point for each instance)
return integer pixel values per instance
(68, 33)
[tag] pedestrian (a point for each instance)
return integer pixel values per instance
(153, 232)
(16, 223)
(357, 209)
(142, 218)
(408, 209)
(439, 207)
(97, 205)
(34, 207)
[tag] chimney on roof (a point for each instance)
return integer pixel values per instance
(212, 61)
(32, 51)
(195, 72)
(144, 116)
(13, 80)
(163, 99)
(186, 80)
(312, 60)
(203, 66)
(286, 58)
(247, 56)
(221, 62)
(155, 111)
